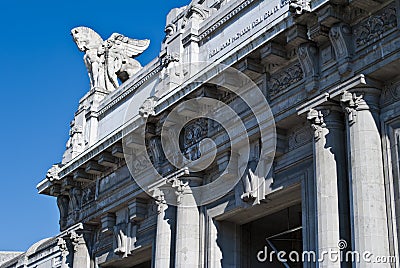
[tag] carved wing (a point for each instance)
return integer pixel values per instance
(86, 39)
(127, 46)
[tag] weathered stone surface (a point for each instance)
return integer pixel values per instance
(335, 182)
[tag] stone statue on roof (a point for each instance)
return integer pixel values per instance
(109, 60)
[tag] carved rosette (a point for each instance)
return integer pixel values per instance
(316, 119)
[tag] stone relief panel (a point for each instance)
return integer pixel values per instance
(88, 194)
(281, 81)
(375, 26)
(299, 136)
(193, 133)
(390, 94)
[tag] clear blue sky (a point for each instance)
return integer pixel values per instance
(42, 79)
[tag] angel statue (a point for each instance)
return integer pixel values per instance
(110, 60)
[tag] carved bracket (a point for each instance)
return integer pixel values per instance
(341, 39)
(308, 57)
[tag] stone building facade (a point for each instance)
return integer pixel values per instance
(329, 70)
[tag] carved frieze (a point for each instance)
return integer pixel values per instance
(88, 194)
(372, 28)
(280, 81)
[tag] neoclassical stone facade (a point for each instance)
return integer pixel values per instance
(330, 72)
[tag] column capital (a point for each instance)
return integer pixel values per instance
(76, 239)
(160, 201)
(316, 118)
(359, 99)
(182, 186)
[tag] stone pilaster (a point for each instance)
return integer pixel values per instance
(163, 233)
(368, 207)
(330, 178)
(81, 257)
(187, 224)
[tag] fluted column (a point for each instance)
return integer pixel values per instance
(368, 207)
(163, 233)
(330, 178)
(187, 224)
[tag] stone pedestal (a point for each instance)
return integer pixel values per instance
(368, 208)
(330, 177)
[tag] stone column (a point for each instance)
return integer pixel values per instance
(163, 233)
(81, 257)
(368, 207)
(330, 177)
(187, 224)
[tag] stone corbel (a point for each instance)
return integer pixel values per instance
(63, 206)
(350, 103)
(341, 39)
(107, 223)
(76, 202)
(120, 245)
(316, 119)
(309, 60)
(137, 212)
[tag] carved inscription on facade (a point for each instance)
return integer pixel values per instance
(253, 22)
